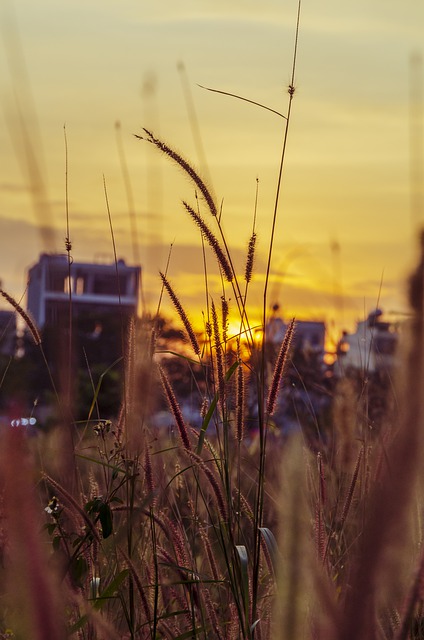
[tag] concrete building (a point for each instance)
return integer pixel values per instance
(8, 338)
(97, 289)
(309, 336)
(371, 349)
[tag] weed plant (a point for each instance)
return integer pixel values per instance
(116, 529)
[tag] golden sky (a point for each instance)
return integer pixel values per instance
(344, 235)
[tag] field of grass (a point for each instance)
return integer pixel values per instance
(113, 528)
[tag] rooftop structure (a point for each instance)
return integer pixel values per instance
(95, 288)
(371, 349)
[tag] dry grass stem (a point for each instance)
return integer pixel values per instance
(350, 493)
(214, 483)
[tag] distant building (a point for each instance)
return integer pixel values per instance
(96, 299)
(309, 336)
(8, 339)
(96, 289)
(371, 349)
(304, 396)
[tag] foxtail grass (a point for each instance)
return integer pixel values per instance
(279, 368)
(182, 314)
(224, 526)
(186, 166)
(33, 329)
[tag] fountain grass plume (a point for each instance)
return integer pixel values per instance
(250, 258)
(175, 408)
(218, 357)
(36, 336)
(185, 165)
(182, 314)
(279, 368)
(213, 242)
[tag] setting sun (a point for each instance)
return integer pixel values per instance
(346, 178)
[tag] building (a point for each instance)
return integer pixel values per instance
(95, 300)
(8, 338)
(304, 397)
(308, 339)
(96, 290)
(371, 349)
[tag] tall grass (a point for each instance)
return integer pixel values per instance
(203, 532)
(219, 530)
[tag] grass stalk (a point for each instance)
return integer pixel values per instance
(261, 381)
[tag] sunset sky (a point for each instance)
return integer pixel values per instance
(344, 238)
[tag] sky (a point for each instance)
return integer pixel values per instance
(78, 79)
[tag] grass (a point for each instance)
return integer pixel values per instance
(112, 528)
(122, 530)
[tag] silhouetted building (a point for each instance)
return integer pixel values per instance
(95, 300)
(304, 397)
(95, 288)
(371, 349)
(7, 333)
(308, 339)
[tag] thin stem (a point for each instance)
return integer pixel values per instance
(124, 354)
(68, 245)
(233, 95)
(291, 91)
(261, 382)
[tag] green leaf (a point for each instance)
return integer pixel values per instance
(244, 572)
(49, 527)
(97, 390)
(271, 543)
(110, 590)
(78, 570)
(77, 541)
(252, 628)
(171, 614)
(78, 624)
(56, 542)
(106, 519)
(93, 506)
(99, 506)
(101, 463)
